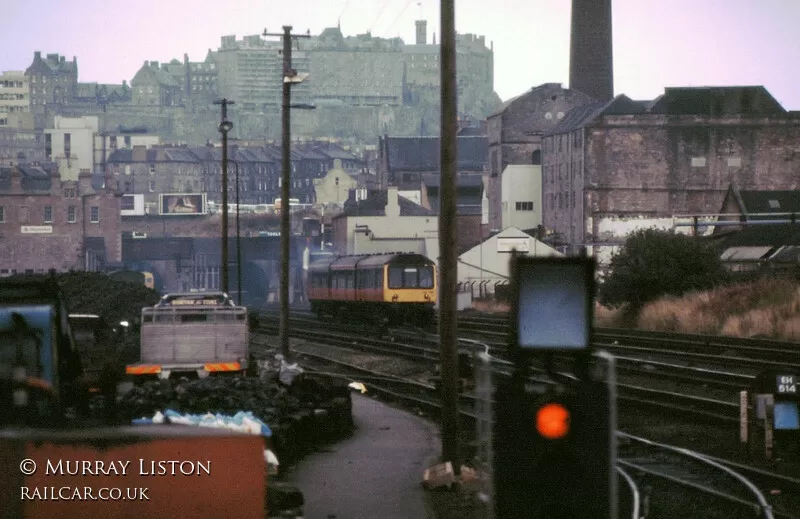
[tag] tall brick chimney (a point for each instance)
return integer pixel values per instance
(591, 59)
(422, 31)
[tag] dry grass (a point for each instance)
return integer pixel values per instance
(768, 308)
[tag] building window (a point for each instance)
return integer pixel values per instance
(536, 158)
(67, 144)
(698, 162)
(71, 214)
(94, 215)
(524, 206)
(48, 214)
(734, 162)
(48, 145)
(2, 214)
(152, 169)
(152, 186)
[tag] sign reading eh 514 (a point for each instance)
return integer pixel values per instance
(786, 384)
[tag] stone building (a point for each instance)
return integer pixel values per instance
(198, 79)
(356, 70)
(95, 95)
(386, 222)
(612, 167)
(470, 225)
(21, 144)
(55, 224)
(178, 169)
(70, 144)
(157, 170)
(515, 134)
(53, 82)
(153, 85)
(475, 69)
(402, 161)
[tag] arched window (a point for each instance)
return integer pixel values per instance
(536, 158)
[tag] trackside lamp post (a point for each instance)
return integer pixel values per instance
(555, 452)
(224, 127)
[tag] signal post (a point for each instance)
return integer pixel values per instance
(554, 436)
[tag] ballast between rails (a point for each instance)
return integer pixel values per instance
(400, 391)
(696, 406)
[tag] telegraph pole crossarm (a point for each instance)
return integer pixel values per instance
(224, 127)
(289, 77)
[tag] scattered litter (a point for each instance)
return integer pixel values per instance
(469, 478)
(272, 462)
(440, 475)
(289, 372)
(358, 386)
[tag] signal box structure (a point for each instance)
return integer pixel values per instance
(554, 432)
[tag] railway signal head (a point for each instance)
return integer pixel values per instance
(552, 451)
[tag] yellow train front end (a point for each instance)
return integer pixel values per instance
(410, 290)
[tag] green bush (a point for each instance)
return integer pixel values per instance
(653, 263)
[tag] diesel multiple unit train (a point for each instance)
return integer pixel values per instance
(396, 288)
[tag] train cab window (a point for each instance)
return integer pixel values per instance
(411, 277)
(426, 277)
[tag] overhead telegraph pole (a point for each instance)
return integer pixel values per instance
(290, 77)
(448, 336)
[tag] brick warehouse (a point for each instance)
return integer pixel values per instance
(49, 224)
(675, 155)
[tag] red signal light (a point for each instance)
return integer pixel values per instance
(553, 421)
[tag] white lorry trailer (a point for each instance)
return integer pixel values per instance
(203, 333)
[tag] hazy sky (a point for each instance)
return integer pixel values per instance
(657, 43)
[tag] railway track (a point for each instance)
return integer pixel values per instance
(727, 484)
(424, 348)
(727, 488)
(755, 354)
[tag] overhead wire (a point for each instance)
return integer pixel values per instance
(380, 13)
(386, 32)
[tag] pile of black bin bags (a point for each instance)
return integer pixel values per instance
(310, 412)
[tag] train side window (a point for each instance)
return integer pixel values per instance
(350, 281)
(379, 278)
(395, 277)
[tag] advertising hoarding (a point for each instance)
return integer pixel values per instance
(182, 204)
